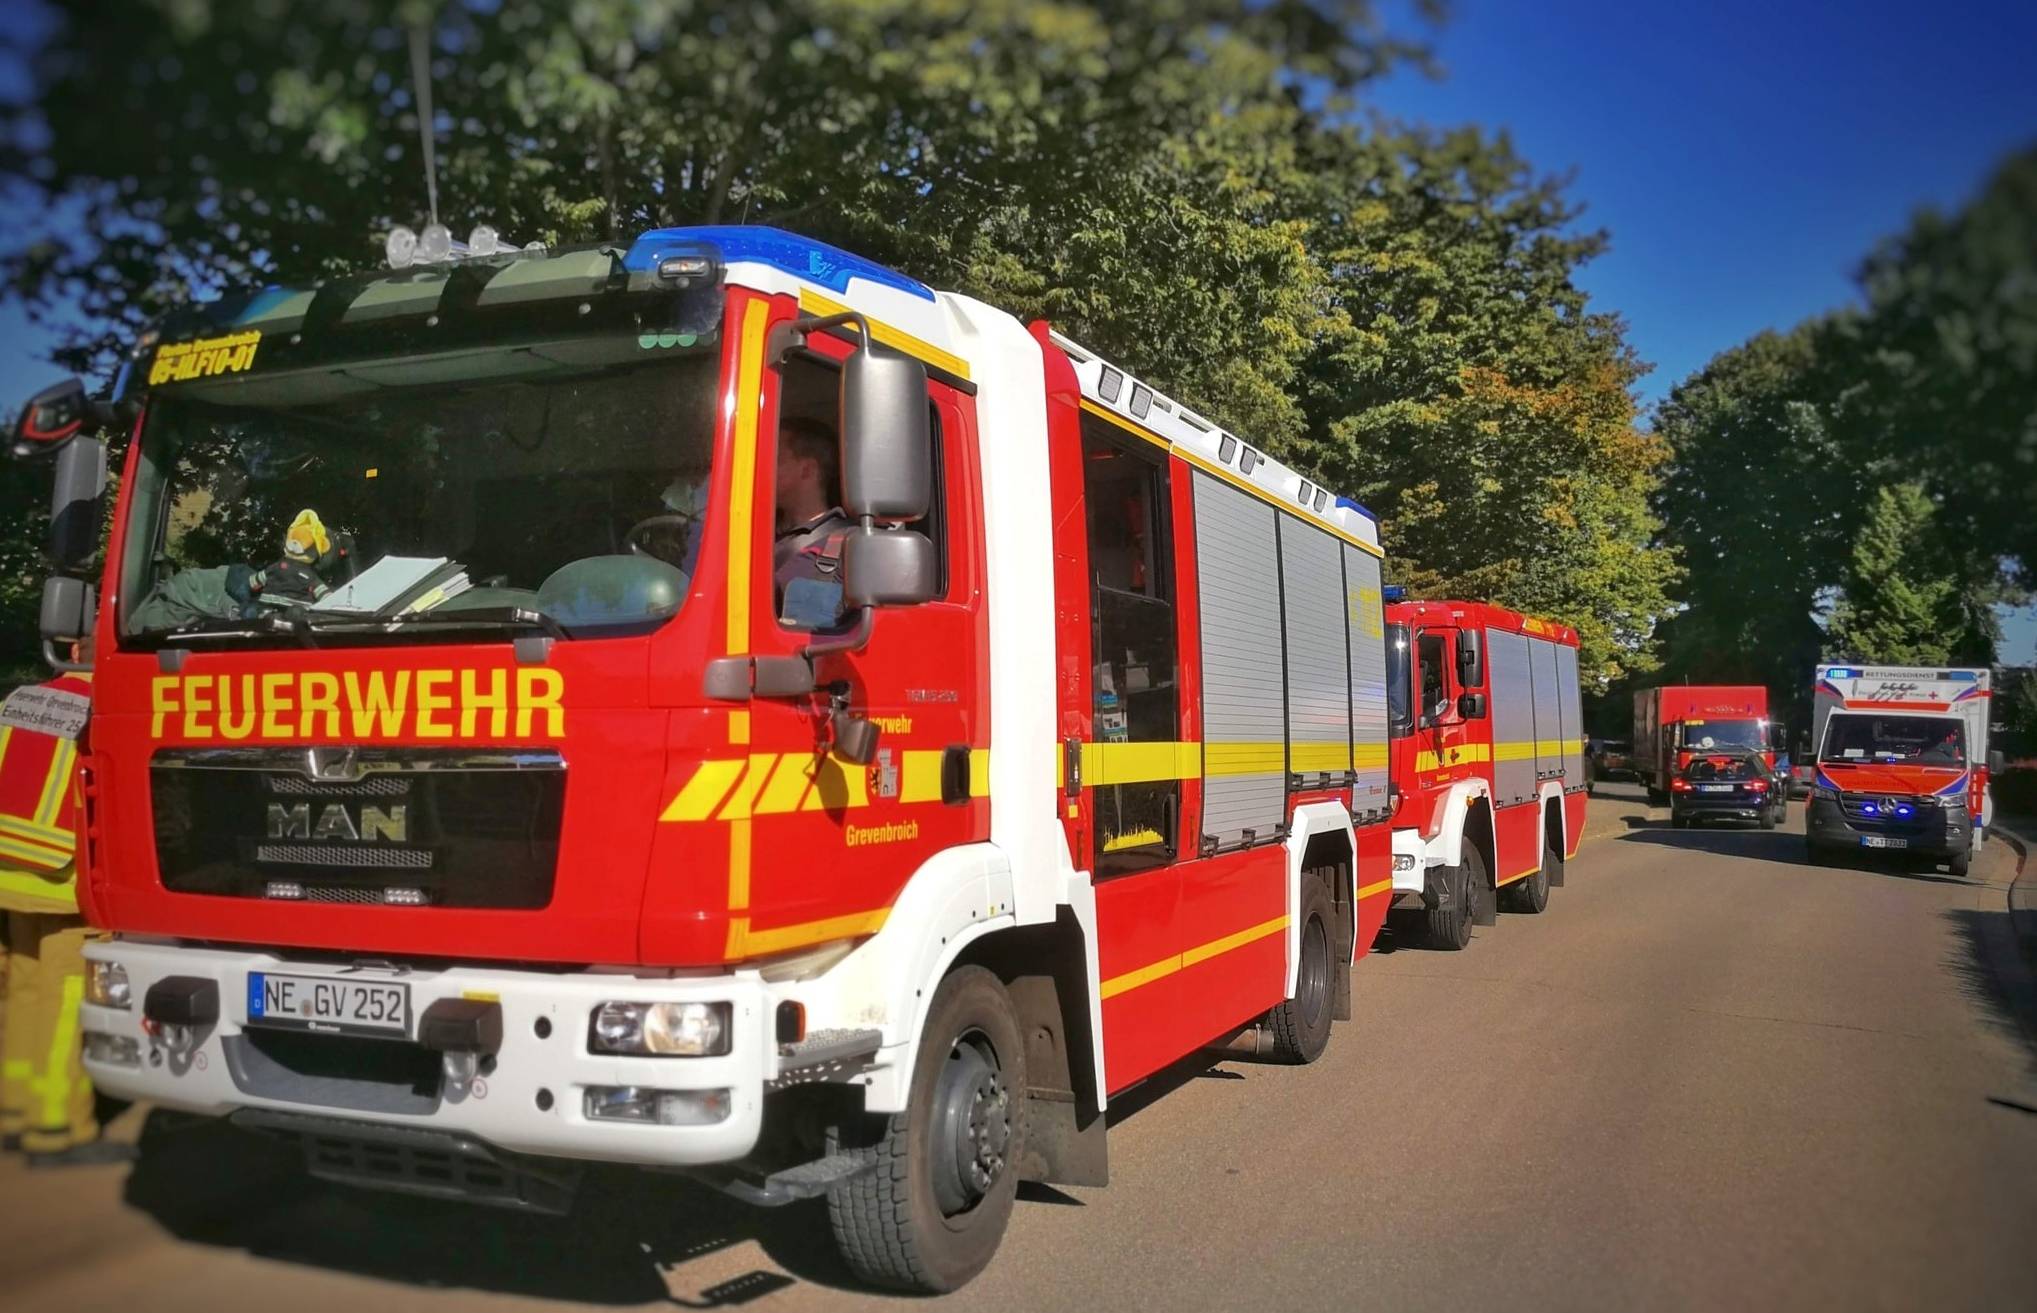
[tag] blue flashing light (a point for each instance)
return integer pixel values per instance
(1350, 505)
(1904, 810)
(1842, 672)
(1394, 592)
(1870, 809)
(802, 257)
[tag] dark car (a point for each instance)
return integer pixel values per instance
(1727, 786)
(1610, 757)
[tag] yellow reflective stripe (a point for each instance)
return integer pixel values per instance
(1140, 432)
(1311, 757)
(700, 795)
(814, 303)
(55, 1084)
(1167, 966)
(26, 884)
(745, 942)
(1377, 887)
(920, 775)
(1139, 763)
(979, 772)
(54, 835)
(54, 787)
(739, 727)
(1225, 759)
(37, 857)
(739, 803)
(743, 475)
(1370, 756)
(1514, 751)
(1549, 747)
(788, 784)
(1217, 947)
(1522, 876)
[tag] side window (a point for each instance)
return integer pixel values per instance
(1434, 655)
(808, 525)
(1132, 650)
(1400, 711)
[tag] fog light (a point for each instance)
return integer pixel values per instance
(106, 985)
(283, 889)
(685, 1030)
(643, 1106)
(404, 897)
(114, 1050)
(1403, 861)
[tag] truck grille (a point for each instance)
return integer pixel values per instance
(449, 827)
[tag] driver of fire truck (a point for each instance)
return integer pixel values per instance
(806, 560)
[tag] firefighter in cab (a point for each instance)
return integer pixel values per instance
(46, 1103)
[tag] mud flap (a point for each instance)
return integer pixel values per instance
(1484, 903)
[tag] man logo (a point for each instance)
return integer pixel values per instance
(334, 822)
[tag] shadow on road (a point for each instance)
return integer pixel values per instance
(1787, 848)
(209, 1183)
(1997, 980)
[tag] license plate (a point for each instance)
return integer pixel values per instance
(1882, 841)
(1715, 788)
(327, 1005)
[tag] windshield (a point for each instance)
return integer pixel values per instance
(1925, 740)
(1716, 735)
(1399, 696)
(522, 492)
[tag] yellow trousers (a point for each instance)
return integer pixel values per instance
(44, 1095)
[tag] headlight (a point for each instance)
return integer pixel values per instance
(665, 1030)
(1819, 793)
(106, 985)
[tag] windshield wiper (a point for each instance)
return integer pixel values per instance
(477, 618)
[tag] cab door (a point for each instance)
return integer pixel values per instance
(831, 842)
(1443, 740)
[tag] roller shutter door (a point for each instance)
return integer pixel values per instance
(1572, 712)
(1318, 654)
(1367, 634)
(1511, 680)
(1244, 763)
(1548, 720)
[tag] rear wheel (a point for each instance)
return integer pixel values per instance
(929, 1216)
(1532, 894)
(1767, 818)
(1301, 1026)
(1448, 925)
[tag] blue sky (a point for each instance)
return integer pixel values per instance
(1743, 155)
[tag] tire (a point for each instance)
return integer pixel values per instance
(1449, 928)
(1961, 863)
(1301, 1025)
(1767, 821)
(930, 1214)
(1531, 896)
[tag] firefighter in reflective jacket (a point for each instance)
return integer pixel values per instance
(46, 1104)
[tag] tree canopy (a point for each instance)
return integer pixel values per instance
(1864, 487)
(1191, 187)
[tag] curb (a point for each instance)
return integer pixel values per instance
(2022, 894)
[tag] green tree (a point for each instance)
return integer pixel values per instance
(1183, 185)
(1897, 605)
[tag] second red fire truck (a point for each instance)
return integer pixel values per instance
(1488, 761)
(1676, 723)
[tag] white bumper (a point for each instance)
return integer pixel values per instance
(1410, 863)
(533, 1101)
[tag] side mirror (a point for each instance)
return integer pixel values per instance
(51, 418)
(1471, 706)
(1470, 658)
(887, 567)
(68, 608)
(74, 503)
(887, 446)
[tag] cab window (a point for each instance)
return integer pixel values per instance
(1433, 660)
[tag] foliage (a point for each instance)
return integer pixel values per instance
(1880, 461)
(1183, 185)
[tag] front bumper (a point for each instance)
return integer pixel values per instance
(1935, 832)
(530, 1100)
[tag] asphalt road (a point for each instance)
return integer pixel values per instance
(1709, 1076)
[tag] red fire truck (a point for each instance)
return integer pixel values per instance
(485, 777)
(1488, 761)
(1677, 722)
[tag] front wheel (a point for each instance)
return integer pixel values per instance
(930, 1215)
(1448, 925)
(1301, 1026)
(1961, 863)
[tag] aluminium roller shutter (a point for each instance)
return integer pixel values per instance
(1510, 677)
(1548, 719)
(1244, 731)
(1318, 654)
(1367, 635)
(1571, 710)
